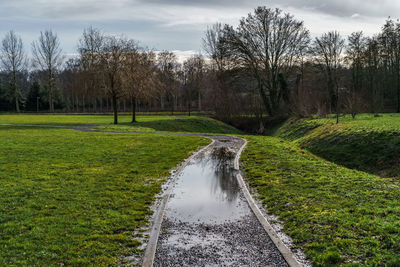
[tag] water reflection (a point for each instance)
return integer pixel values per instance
(207, 191)
(225, 181)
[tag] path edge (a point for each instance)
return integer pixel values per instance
(149, 255)
(283, 249)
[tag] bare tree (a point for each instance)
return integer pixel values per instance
(214, 47)
(327, 51)
(89, 48)
(112, 58)
(389, 40)
(268, 43)
(139, 69)
(13, 60)
(47, 56)
(167, 62)
(194, 73)
(355, 59)
(213, 44)
(372, 61)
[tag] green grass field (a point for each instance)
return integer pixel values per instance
(337, 215)
(368, 143)
(72, 119)
(74, 198)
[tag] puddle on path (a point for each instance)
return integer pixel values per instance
(207, 191)
(208, 222)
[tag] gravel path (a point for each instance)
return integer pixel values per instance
(212, 225)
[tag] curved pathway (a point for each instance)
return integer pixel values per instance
(206, 216)
(208, 222)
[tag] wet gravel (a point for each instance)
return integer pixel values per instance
(236, 241)
(241, 243)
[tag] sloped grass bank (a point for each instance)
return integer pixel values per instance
(368, 143)
(145, 123)
(336, 215)
(192, 124)
(74, 198)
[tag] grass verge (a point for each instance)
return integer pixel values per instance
(368, 143)
(73, 198)
(337, 215)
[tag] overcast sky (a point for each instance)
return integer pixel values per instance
(179, 25)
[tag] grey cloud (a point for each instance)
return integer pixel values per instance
(208, 3)
(340, 8)
(177, 24)
(346, 8)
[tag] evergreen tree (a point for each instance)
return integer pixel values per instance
(31, 101)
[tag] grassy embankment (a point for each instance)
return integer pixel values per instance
(74, 198)
(148, 123)
(337, 215)
(368, 143)
(191, 124)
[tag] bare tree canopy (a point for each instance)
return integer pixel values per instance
(139, 77)
(47, 56)
(327, 51)
(356, 49)
(111, 63)
(167, 63)
(194, 70)
(212, 44)
(13, 60)
(268, 42)
(89, 47)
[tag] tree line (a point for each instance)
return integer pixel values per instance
(110, 73)
(287, 72)
(267, 65)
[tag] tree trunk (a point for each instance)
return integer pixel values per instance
(172, 104)
(133, 103)
(107, 105)
(398, 89)
(17, 105)
(189, 102)
(16, 92)
(337, 104)
(114, 101)
(115, 108)
(50, 91)
(162, 102)
(265, 99)
(199, 101)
